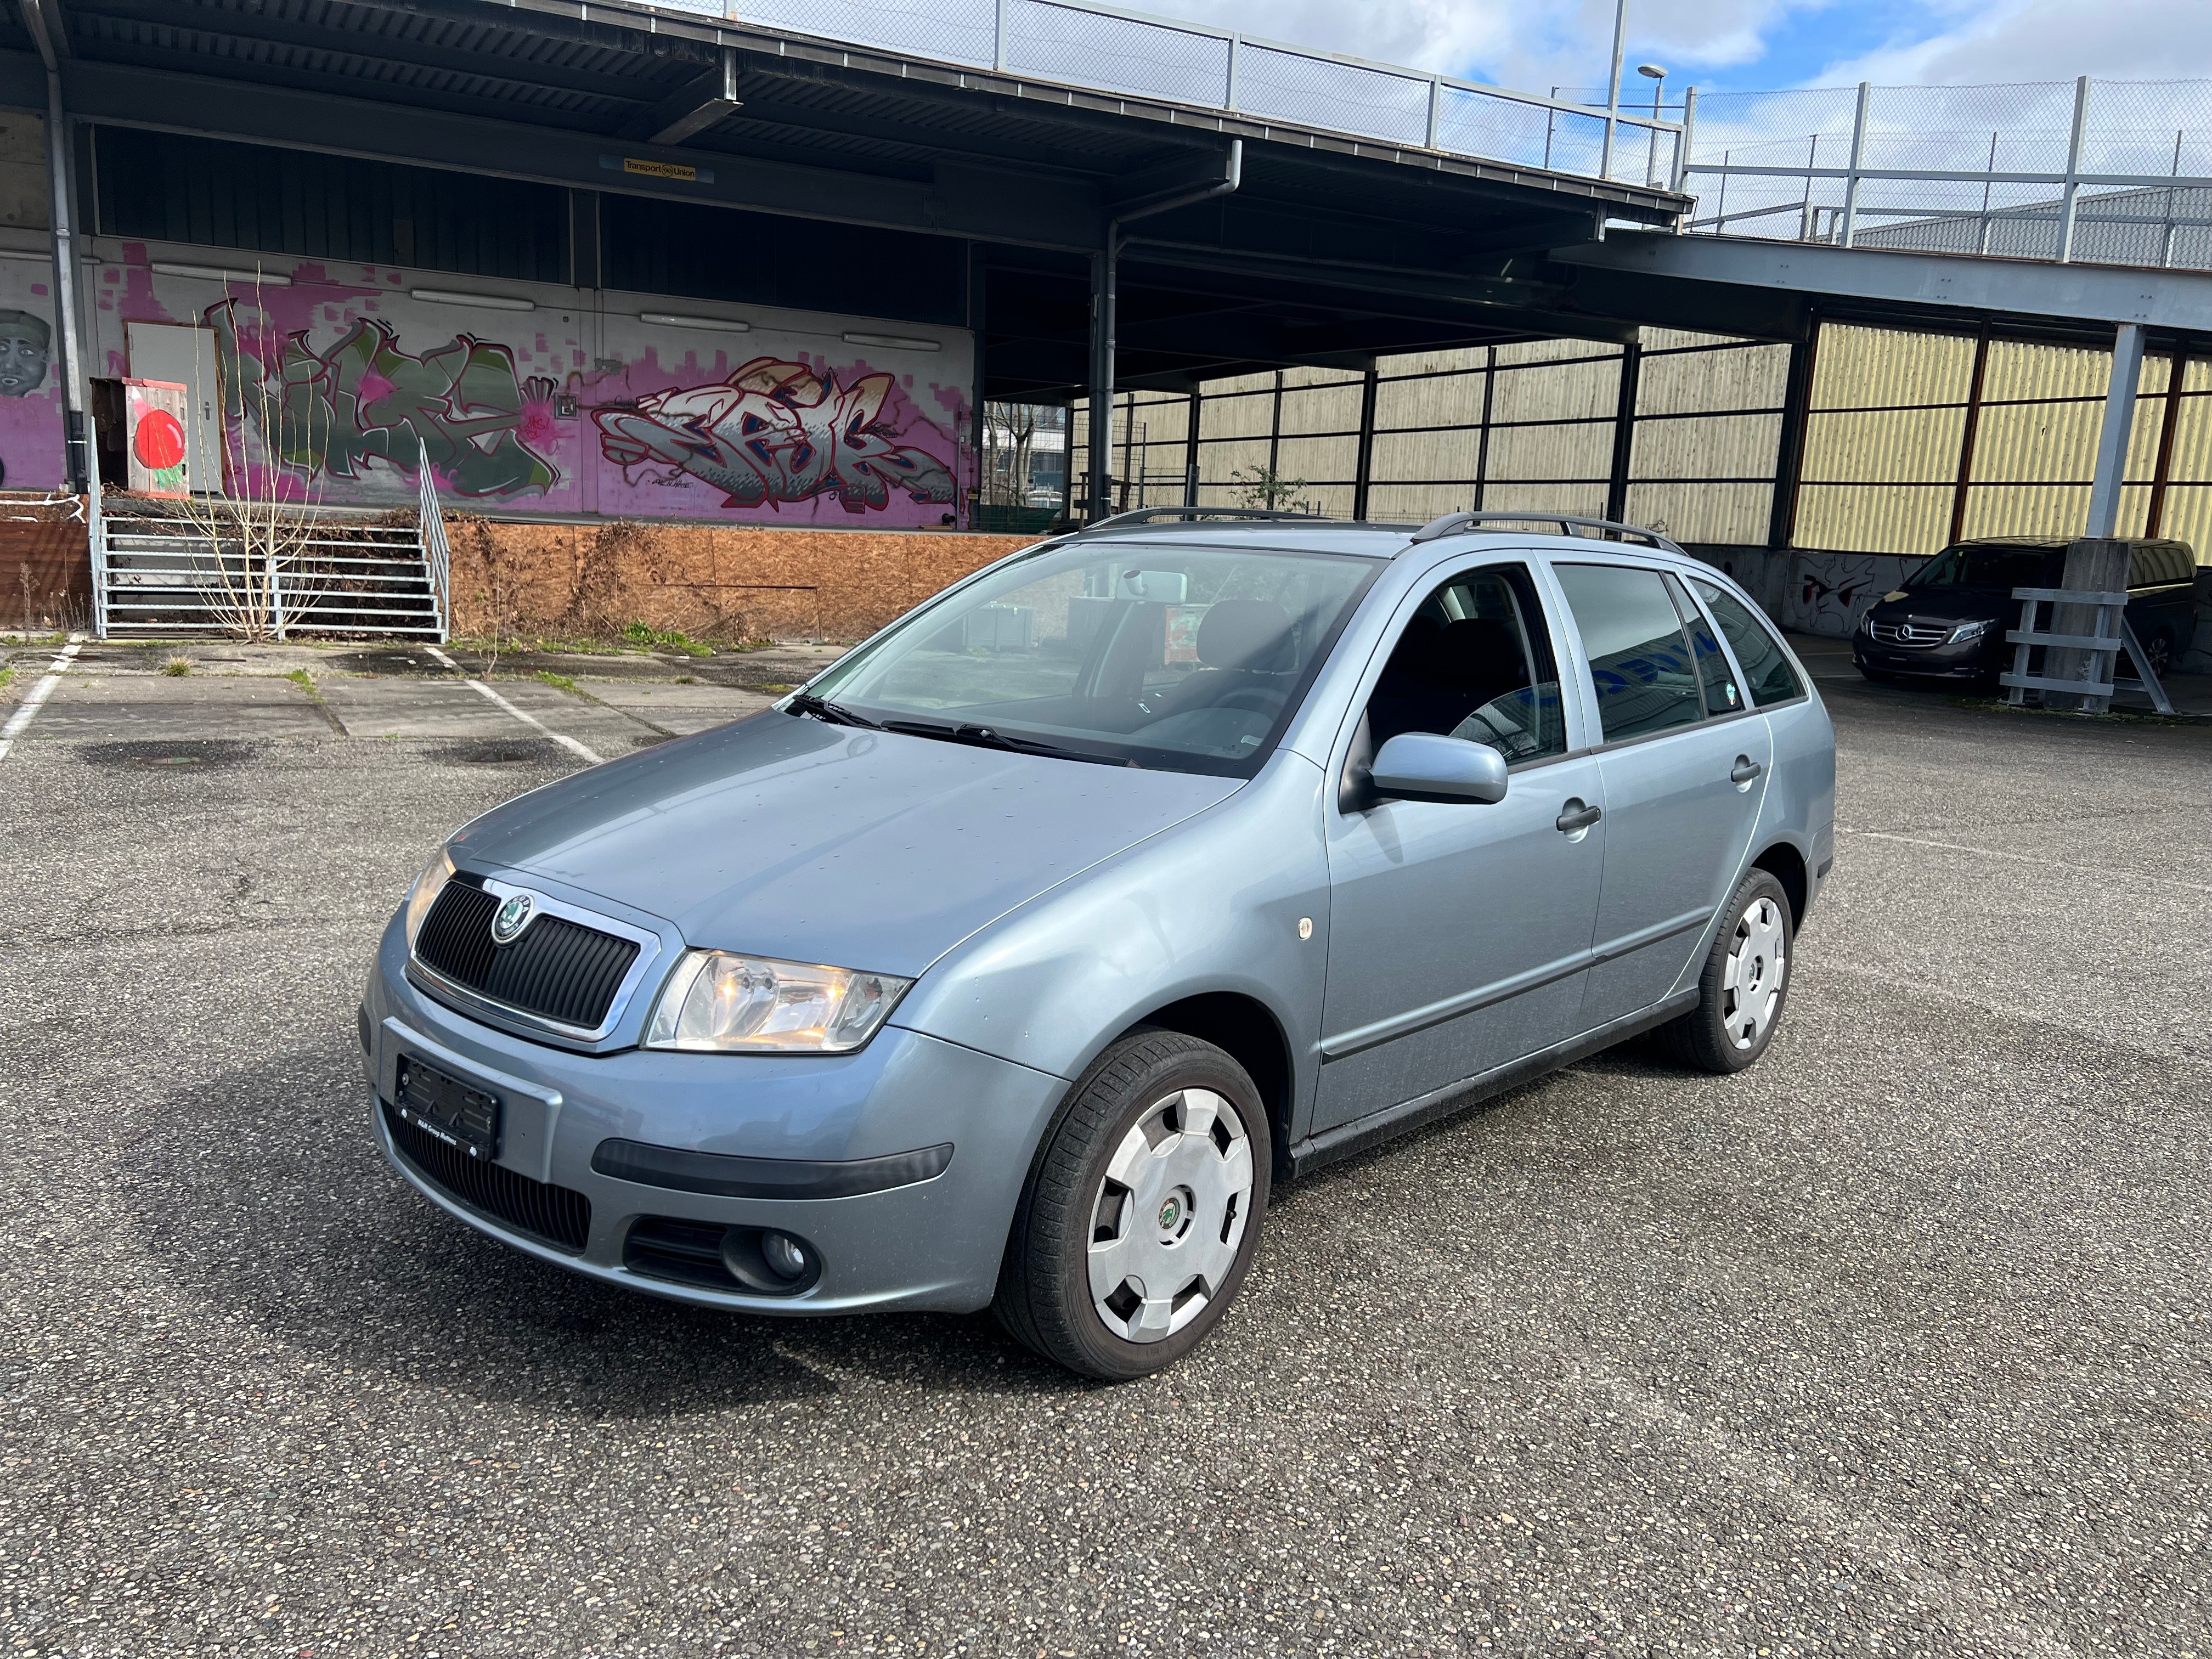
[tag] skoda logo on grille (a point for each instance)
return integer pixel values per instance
(511, 918)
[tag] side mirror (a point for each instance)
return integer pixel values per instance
(1422, 766)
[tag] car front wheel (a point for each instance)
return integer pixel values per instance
(1142, 1212)
(1744, 986)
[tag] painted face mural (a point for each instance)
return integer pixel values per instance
(777, 432)
(364, 400)
(25, 341)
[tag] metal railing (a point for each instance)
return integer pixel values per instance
(1100, 48)
(2109, 172)
(160, 575)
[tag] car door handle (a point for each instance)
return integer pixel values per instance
(1576, 815)
(1746, 770)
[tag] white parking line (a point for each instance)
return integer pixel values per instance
(567, 743)
(38, 694)
(2025, 858)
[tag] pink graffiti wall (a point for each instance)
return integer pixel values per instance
(337, 387)
(31, 455)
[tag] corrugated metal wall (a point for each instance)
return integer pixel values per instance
(1904, 439)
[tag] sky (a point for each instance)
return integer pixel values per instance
(1744, 45)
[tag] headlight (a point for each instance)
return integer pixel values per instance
(729, 1004)
(1973, 630)
(424, 893)
(1866, 621)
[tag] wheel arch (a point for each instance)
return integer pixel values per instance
(1787, 866)
(1247, 1030)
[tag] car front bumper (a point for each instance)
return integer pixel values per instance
(933, 1243)
(1968, 660)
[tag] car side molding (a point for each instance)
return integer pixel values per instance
(1319, 1151)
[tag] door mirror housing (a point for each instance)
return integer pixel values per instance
(1422, 766)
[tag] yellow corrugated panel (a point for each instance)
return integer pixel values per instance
(1436, 400)
(1883, 446)
(1426, 457)
(2189, 517)
(2021, 368)
(1551, 453)
(1735, 514)
(1706, 447)
(1668, 340)
(1691, 382)
(2192, 438)
(1218, 462)
(1163, 422)
(1432, 363)
(2018, 509)
(1873, 517)
(1417, 503)
(1317, 457)
(1886, 368)
(1296, 380)
(1551, 351)
(2038, 443)
(1252, 414)
(1558, 392)
(1583, 500)
(1322, 409)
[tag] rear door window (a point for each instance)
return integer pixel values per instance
(1766, 669)
(1641, 664)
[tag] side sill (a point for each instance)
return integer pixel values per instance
(1319, 1151)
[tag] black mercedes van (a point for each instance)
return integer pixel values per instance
(1950, 618)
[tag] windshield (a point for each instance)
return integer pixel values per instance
(1991, 565)
(1127, 651)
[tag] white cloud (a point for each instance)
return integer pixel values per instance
(1529, 45)
(2013, 40)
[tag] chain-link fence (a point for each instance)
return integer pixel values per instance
(2094, 171)
(1111, 51)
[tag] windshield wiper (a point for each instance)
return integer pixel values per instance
(830, 713)
(982, 737)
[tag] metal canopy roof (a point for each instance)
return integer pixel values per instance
(1333, 249)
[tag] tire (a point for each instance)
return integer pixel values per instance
(1745, 986)
(1156, 1169)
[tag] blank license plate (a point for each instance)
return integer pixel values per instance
(448, 1108)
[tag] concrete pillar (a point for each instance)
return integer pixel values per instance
(2112, 436)
(2094, 564)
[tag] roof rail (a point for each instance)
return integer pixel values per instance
(1610, 530)
(1153, 514)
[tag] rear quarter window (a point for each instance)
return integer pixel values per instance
(1766, 671)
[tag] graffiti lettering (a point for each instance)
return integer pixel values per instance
(777, 432)
(364, 400)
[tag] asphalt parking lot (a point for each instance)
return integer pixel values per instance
(1899, 1343)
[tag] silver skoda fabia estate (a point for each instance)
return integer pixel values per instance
(1013, 960)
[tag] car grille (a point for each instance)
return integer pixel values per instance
(688, 1252)
(558, 970)
(553, 1215)
(1910, 634)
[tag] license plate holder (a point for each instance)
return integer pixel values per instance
(455, 1112)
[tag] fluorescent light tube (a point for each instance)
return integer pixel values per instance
(220, 273)
(487, 301)
(719, 325)
(897, 341)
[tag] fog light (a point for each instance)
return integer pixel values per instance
(784, 1255)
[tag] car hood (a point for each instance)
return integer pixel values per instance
(787, 837)
(1944, 604)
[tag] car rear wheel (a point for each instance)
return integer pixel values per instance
(1142, 1212)
(2159, 648)
(1745, 984)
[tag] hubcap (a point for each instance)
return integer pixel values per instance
(1170, 1214)
(1758, 964)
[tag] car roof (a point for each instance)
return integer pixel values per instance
(1289, 534)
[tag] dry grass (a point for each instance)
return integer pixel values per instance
(177, 665)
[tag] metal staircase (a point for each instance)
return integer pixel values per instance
(158, 573)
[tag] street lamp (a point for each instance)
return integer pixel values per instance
(1657, 76)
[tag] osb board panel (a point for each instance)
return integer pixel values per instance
(46, 570)
(705, 580)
